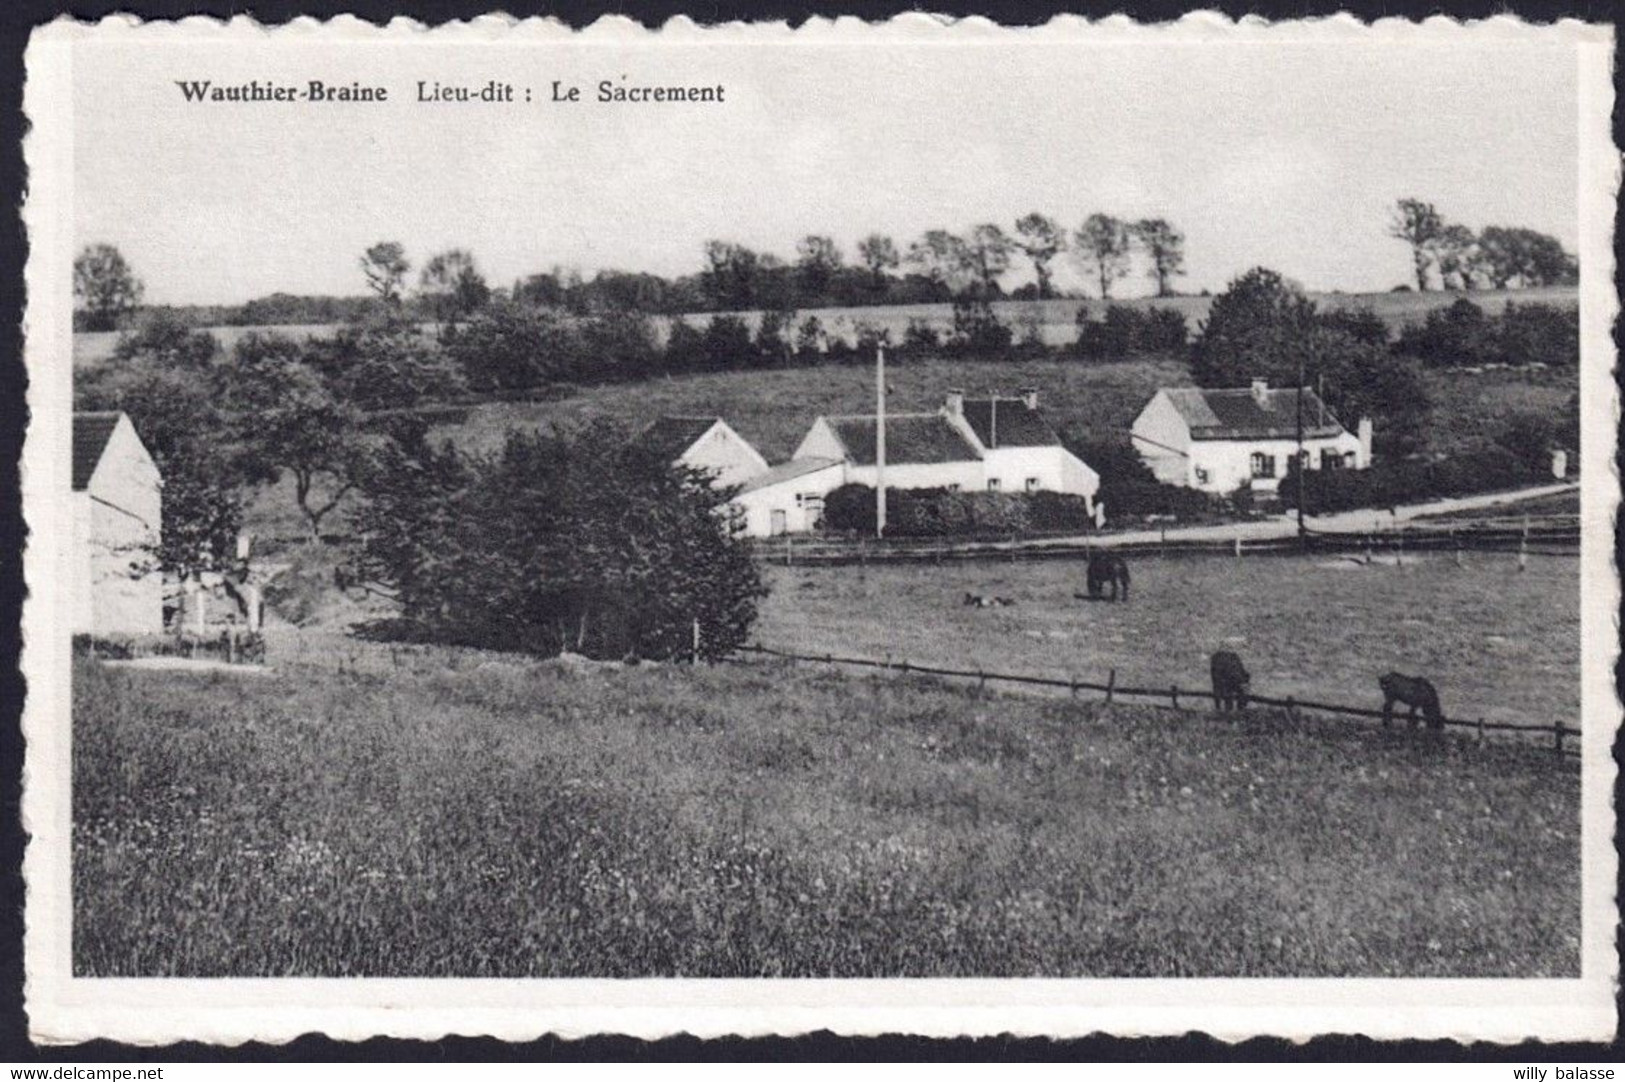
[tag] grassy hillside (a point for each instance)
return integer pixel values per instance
(773, 409)
(443, 813)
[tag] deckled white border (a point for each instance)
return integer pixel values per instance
(63, 1009)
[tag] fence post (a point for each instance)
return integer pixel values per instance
(789, 551)
(1162, 543)
(1523, 546)
(1368, 548)
(696, 658)
(1480, 732)
(1292, 709)
(1173, 695)
(1455, 540)
(1399, 549)
(1111, 682)
(981, 680)
(1072, 679)
(1557, 737)
(1238, 546)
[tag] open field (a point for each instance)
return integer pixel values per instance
(1499, 644)
(1055, 321)
(363, 811)
(774, 408)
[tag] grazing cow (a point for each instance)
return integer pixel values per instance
(1414, 692)
(1107, 569)
(1230, 681)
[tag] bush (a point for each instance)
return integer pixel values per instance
(1392, 484)
(1127, 332)
(1129, 489)
(587, 542)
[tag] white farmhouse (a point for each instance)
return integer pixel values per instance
(117, 516)
(1218, 440)
(706, 443)
(973, 445)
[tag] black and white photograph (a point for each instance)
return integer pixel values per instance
(908, 527)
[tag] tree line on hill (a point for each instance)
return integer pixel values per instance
(1498, 257)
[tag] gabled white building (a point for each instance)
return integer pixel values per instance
(1216, 440)
(974, 445)
(706, 443)
(117, 519)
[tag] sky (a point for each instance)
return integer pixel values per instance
(1289, 156)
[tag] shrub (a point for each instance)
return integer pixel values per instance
(1392, 484)
(1129, 489)
(1126, 331)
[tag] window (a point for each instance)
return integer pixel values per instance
(1349, 459)
(1032, 484)
(1305, 460)
(1263, 464)
(1330, 459)
(1202, 476)
(993, 484)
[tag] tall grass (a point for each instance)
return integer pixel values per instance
(446, 813)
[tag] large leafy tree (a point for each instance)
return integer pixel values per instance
(1419, 225)
(1041, 239)
(585, 542)
(879, 254)
(987, 256)
(1514, 256)
(385, 267)
(288, 419)
(1103, 246)
(1264, 327)
(105, 287)
(1164, 252)
(818, 261)
(452, 287)
(943, 257)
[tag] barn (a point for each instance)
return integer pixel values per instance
(706, 443)
(117, 516)
(1216, 440)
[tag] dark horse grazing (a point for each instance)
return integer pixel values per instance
(1107, 569)
(1414, 692)
(1230, 681)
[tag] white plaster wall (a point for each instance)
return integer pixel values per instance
(758, 505)
(1163, 441)
(726, 454)
(120, 513)
(1229, 462)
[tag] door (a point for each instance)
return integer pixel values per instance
(779, 522)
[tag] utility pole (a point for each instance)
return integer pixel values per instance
(880, 441)
(1303, 535)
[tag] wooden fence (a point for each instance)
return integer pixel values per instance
(1547, 538)
(1557, 732)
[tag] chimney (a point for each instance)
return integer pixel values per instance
(954, 405)
(1029, 395)
(1261, 390)
(1362, 457)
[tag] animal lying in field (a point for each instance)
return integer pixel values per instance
(986, 601)
(1107, 569)
(1416, 693)
(1230, 680)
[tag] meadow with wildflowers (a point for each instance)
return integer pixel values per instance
(370, 810)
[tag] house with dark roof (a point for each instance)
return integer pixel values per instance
(706, 443)
(990, 444)
(1218, 439)
(117, 515)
